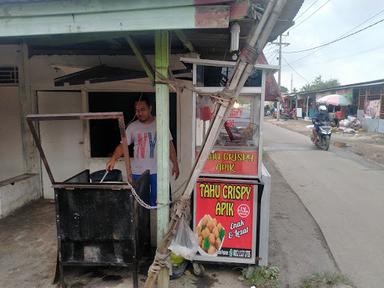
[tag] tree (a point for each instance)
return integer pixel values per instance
(319, 84)
(283, 89)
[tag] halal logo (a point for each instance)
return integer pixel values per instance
(243, 210)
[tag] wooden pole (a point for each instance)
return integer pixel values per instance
(141, 58)
(162, 128)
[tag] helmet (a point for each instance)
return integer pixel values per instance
(322, 108)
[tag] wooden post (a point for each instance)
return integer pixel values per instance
(162, 126)
(27, 106)
(187, 44)
(141, 58)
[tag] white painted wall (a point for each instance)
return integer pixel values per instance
(11, 156)
(62, 141)
(11, 150)
(17, 192)
(9, 54)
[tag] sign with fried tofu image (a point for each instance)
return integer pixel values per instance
(224, 219)
(210, 234)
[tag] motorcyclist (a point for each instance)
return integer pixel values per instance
(320, 117)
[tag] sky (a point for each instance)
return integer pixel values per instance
(357, 58)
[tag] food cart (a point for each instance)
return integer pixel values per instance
(231, 197)
(97, 221)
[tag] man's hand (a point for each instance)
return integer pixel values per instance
(110, 164)
(175, 171)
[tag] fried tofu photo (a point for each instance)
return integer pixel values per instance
(210, 234)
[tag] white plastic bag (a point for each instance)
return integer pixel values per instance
(185, 242)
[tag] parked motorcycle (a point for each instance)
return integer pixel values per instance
(323, 135)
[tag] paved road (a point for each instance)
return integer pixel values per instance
(345, 195)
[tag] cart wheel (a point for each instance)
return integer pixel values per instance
(198, 269)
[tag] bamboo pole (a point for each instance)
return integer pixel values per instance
(162, 145)
(256, 42)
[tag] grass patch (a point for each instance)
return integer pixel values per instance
(324, 280)
(262, 277)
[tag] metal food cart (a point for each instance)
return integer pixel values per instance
(231, 204)
(97, 223)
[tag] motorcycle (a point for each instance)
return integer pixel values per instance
(323, 135)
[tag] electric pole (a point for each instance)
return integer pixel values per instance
(280, 44)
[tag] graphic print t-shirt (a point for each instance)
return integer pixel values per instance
(143, 137)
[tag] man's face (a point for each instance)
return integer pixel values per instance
(143, 111)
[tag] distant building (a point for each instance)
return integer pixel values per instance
(367, 102)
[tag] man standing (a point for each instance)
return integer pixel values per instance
(142, 133)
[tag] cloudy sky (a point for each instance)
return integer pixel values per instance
(357, 58)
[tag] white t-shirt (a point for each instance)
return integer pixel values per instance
(143, 137)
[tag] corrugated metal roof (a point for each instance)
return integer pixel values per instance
(286, 18)
(347, 86)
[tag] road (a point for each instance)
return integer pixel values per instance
(345, 195)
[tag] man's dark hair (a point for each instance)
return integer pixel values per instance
(145, 99)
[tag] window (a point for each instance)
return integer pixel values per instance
(212, 76)
(9, 75)
(105, 134)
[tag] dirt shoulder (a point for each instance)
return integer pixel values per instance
(368, 145)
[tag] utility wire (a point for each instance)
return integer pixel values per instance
(272, 49)
(365, 21)
(349, 55)
(294, 70)
(305, 19)
(357, 53)
(336, 40)
(273, 58)
(269, 55)
(302, 14)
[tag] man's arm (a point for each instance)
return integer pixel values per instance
(115, 156)
(173, 157)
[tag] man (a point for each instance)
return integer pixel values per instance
(142, 133)
(320, 117)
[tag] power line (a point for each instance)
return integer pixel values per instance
(268, 49)
(294, 70)
(272, 59)
(349, 55)
(301, 14)
(318, 9)
(274, 53)
(357, 53)
(365, 21)
(336, 40)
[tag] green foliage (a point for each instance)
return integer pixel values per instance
(324, 280)
(262, 277)
(283, 89)
(319, 84)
